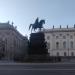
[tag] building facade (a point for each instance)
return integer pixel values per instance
(60, 41)
(12, 43)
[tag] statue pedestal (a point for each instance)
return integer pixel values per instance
(37, 47)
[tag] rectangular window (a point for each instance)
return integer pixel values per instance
(64, 44)
(72, 54)
(71, 44)
(57, 53)
(64, 53)
(57, 45)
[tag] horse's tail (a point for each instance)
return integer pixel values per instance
(30, 26)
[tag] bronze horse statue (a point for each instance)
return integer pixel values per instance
(37, 24)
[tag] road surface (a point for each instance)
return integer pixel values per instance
(37, 69)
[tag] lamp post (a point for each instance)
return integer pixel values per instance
(68, 52)
(68, 49)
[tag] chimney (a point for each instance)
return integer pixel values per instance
(60, 26)
(12, 23)
(53, 26)
(15, 27)
(8, 22)
(67, 26)
(74, 25)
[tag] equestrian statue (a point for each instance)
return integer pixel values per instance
(37, 25)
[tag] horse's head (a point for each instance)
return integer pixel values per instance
(42, 21)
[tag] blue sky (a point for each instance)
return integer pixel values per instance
(24, 12)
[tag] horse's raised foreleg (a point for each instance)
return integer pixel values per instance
(31, 30)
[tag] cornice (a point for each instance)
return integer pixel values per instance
(59, 30)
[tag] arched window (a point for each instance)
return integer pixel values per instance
(64, 53)
(57, 53)
(71, 44)
(64, 44)
(57, 45)
(72, 54)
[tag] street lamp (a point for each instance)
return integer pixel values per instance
(68, 52)
(68, 46)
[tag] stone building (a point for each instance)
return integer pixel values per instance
(12, 43)
(60, 41)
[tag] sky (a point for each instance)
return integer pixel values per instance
(24, 12)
